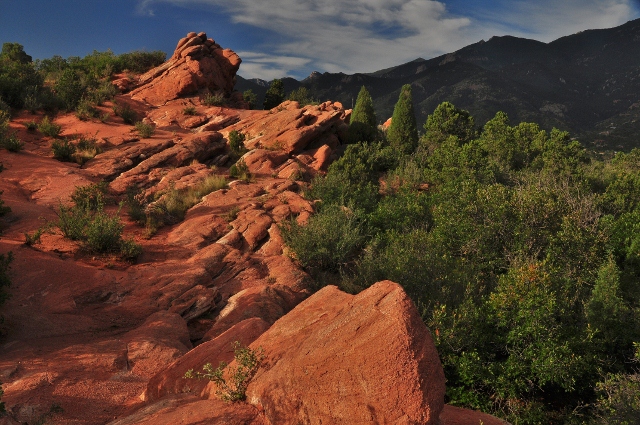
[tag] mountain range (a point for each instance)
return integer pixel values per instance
(586, 83)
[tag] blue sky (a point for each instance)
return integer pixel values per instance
(277, 38)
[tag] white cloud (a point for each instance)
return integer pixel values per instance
(367, 35)
(144, 8)
(549, 19)
(267, 67)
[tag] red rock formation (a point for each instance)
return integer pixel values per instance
(343, 359)
(171, 380)
(92, 333)
(198, 64)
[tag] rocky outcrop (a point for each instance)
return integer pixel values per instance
(179, 153)
(198, 65)
(294, 129)
(343, 359)
(187, 409)
(172, 381)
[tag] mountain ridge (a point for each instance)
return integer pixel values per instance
(585, 83)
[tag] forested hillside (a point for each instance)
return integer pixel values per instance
(521, 247)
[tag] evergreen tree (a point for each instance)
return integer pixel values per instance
(446, 121)
(274, 95)
(302, 95)
(403, 132)
(362, 127)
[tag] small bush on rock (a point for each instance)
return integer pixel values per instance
(214, 100)
(86, 110)
(235, 388)
(11, 143)
(240, 171)
(87, 222)
(31, 126)
(145, 130)
(49, 128)
(63, 150)
(236, 143)
(190, 110)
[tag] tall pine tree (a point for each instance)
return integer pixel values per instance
(363, 125)
(274, 95)
(403, 132)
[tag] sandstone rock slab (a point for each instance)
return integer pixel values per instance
(343, 359)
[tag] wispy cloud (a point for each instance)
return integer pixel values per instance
(268, 67)
(366, 35)
(548, 20)
(144, 8)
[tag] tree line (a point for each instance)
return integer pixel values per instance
(520, 247)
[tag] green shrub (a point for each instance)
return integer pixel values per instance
(63, 150)
(250, 97)
(274, 95)
(140, 61)
(125, 112)
(31, 126)
(329, 241)
(520, 249)
(363, 123)
(190, 110)
(145, 130)
(72, 221)
(240, 171)
(31, 99)
(619, 398)
(129, 249)
(214, 100)
(86, 110)
(172, 206)
(92, 197)
(87, 149)
(403, 132)
(236, 143)
(11, 143)
(232, 214)
(31, 239)
(103, 92)
(104, 232)
(69, 88)
(135, 205)
(302, 95)
(235, 388)
(18, 76)
(49, 128)
(88, 223)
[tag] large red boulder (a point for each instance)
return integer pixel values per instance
(198, 64)
(343, 359)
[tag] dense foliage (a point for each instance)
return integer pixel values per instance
(302, 95)
(88, 222)
(59, 83)
(274, 95)
(403, 131)
(363, 123)
(521, 249)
